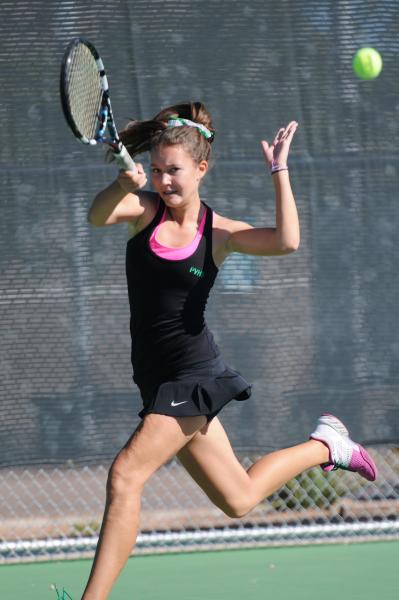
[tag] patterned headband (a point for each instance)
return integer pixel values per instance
(178, 122)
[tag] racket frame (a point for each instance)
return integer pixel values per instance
(105, 116)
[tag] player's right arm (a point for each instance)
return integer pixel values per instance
(121, 201)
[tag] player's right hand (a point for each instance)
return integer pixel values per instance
(131, 181)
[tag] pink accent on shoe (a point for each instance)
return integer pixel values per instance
(362, 463)
(344, 453)
(327, 467)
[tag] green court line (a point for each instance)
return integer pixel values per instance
(326, 572)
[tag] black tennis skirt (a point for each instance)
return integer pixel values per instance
(202, 389)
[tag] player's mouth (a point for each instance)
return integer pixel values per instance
(169, 192)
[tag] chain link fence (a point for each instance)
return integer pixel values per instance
(315, 332)
(57, 512)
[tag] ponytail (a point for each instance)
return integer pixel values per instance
(143, 136)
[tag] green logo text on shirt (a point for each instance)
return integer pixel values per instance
(196, 271)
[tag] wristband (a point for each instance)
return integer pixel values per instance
(276, 167)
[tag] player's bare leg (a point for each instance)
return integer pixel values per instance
(156, 440)
(210, 460)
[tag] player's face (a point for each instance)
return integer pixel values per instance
(175, 175)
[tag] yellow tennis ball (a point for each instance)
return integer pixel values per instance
(367, 63)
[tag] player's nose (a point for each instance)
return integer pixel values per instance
(165, 179)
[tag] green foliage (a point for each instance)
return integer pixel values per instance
(85, 529)
(311, 489)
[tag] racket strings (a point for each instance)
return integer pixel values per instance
(84, 90)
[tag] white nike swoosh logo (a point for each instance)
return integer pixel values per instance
(173, 403)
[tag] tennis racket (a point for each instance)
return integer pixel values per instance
(86, 102)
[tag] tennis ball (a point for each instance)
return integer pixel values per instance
(367, 63)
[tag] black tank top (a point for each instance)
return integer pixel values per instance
(167, 303)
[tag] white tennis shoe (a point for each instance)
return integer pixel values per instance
(344, 452)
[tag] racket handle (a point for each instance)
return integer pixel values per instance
(124, 160)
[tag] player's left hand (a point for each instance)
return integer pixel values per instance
(277, 153)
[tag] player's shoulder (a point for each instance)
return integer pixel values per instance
(227, 224)
(150, 203)
(148, 199)
(222, 230)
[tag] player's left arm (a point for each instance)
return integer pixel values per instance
(285, 236)
(263, 241)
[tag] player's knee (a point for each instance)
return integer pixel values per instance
(237, 508)
(123, 478)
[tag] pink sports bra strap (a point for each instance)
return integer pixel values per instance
(176, 253)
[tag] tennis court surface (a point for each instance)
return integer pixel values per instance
(366, 571)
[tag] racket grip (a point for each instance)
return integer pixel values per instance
(124, 160)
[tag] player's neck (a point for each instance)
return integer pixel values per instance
(186, 213)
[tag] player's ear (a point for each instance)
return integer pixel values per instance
(203, 168)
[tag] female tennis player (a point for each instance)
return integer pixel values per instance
(177, 245)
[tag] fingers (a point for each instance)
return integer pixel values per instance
(280, 133)
(277, 152)
(139, 170)
(287, 132)
(131, 181)
(291, 129)
(265, 146)
(267, 151)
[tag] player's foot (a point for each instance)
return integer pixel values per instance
(344, 452)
